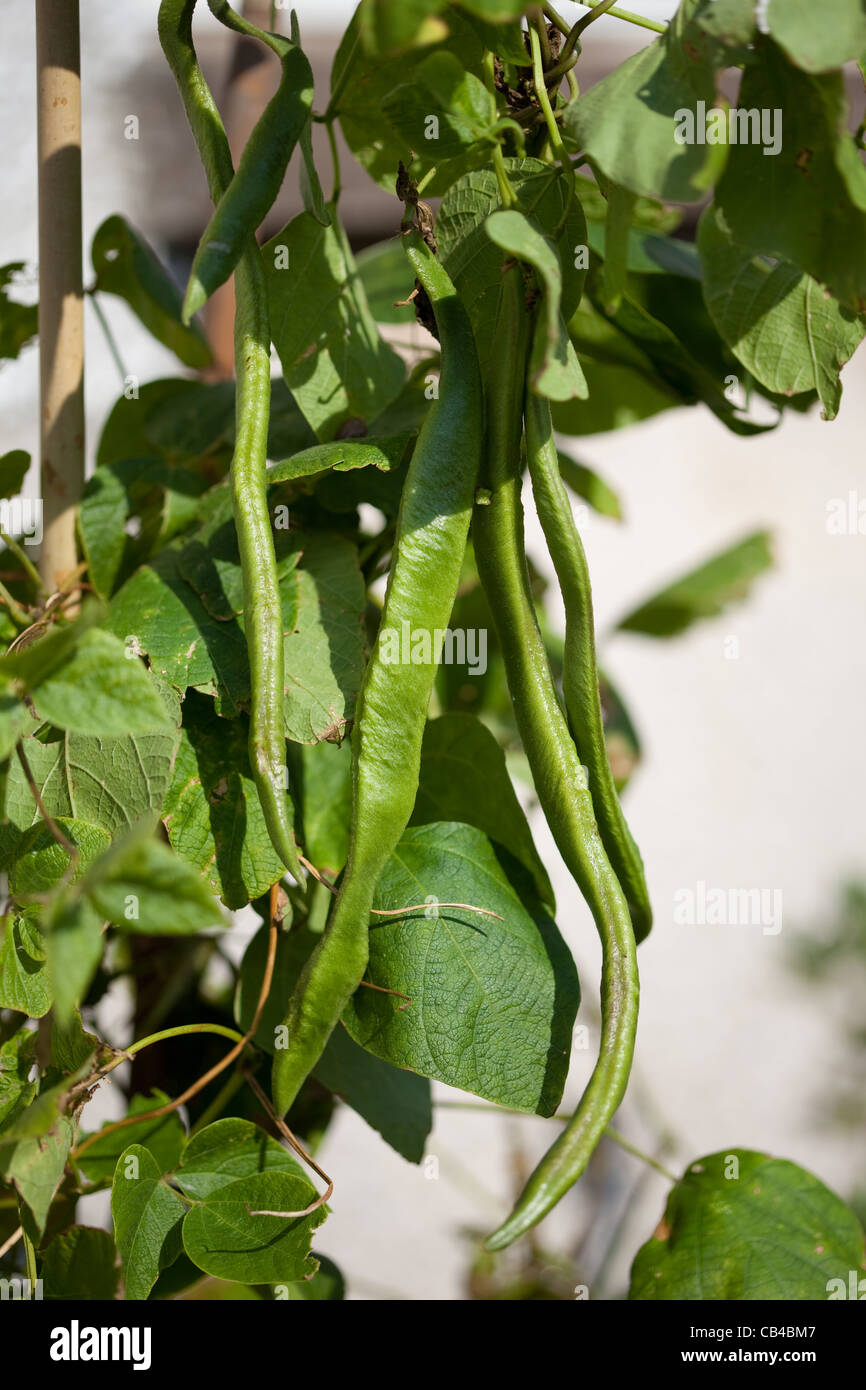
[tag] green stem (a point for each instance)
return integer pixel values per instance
(553, 130)
(615, 13)
(635, 1152)
(109, 336)
(29, 568)
(335, 160)
(181, 1031)
(610, 1132)
(219, 1102)
(506, 192)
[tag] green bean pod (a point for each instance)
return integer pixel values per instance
(263, 624)
(560, 780)
(249, 195)
(392, 708)
(580, 673)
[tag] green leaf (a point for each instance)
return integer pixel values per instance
(80, 1264)
(147, 1220)
(387, 278)
(75, 943)
(14, 718)
(72, 1046)
(17, 1055)
(444, 106)
(224, 1238)
(620, 204)
(586, 483)
(326, 798)
(100, 689)
(493, 1002)
(24, 980)
(171, 419)
(791, 335)
(35, 1166)
(396, 1103)
(212, 811)
(163, 1138)
(326, 1285)
(127, 266)
(807, 203)
(704, 592)
(819, 39)
(19, 323)
(109, 782)
(388, 28)
(13, 470)
(463, 777)
(324, 655)
(475, 263)
(40, 861)
(322, 327)
(554, 370)
(618, 397)
(163, 496)
(365, 80)
(741, 1226)
(228, 1150)
(639, 149)
(142, 886)
(33, 663)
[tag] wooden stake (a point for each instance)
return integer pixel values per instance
(61, 300)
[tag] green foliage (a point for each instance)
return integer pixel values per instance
(740, 1226)
(131, 824)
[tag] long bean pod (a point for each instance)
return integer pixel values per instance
(560, 779)
(392, 708)
(580, 673)
(248, 196)
(263, 621)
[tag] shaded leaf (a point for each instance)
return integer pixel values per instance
(394, 1102)
(704, 592)
(224, 1238)
(80, 1264)
(228, 1150)
(147, 1218)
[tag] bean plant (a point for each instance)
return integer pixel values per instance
(303, 670)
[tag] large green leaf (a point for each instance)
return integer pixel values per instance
(224, 1238)
(445, 105)
(741, 1226)
(147, 1220)
(335, 362)
(638, 150)
(807, 203)
(493, 1001)
(788, 332)
(127, 266)
(704, 592)
(463, 777)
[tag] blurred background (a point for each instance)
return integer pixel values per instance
(754, 755)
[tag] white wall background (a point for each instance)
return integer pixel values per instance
(753, 769)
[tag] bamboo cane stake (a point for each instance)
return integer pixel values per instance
(61, 301)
